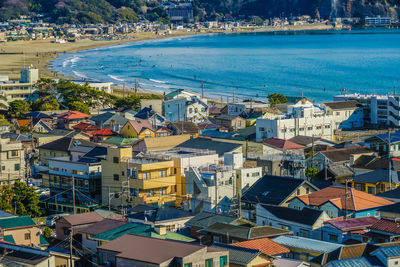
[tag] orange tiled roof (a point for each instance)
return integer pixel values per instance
(265, 245)
(73, 115)
(282, 143)
(357, 200)
(84, 126)
(24, 122)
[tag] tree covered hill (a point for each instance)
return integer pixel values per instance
(95, 11)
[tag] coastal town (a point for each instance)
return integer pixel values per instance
(94, 173)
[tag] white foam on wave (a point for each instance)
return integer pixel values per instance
(78, 74)
(71, 61)
(115, 78)
(156, 81)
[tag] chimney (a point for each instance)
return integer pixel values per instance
(160, 229)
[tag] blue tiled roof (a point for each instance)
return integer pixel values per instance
(392, 251)
(394, 137)
(355, 262)
(307, 244)
(161, 214)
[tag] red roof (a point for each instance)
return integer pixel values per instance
(24, 122)
(386, 225)
(282, 143)
(265, 245)
(84, 126)
(103, 132)
(357, 200)
(353, 223)
(72, 115)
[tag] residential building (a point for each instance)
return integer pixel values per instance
(239, 256)
(184, 158)
(15, 255)
(21, 231)
(159, 143)
(283, 145)
(382, 231)
(229, 233)
(155, 118)
(70, 118)
(182, 12)
(172, 218)
(129, 180)
(75, 222)
(182, 105)
(390, 211)
(184, 127)
(303, 248)
(265, 245)
(137, 129)
(84, 171)
(12, 161)
(154, 104)
(140, 229)
(378, 110)
(205, 219)
(332, 200)
(20, 90)
(350, 111)
(132, 250)
(380, 144)
(375, 182)
(305, 223)
(220, 147)
(109, 120)
(231, 122)
(388, 256)
(378, 21)
(307, 120)
(273, 190)
(341, 231)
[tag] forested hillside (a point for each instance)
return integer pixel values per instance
(94, 11)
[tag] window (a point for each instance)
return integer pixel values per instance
(27, 236)
(371, 190)
(319, 127)
(337, 113)
(309, 128)
(74, 172)
(209, 263)
(14, 153)
(187, 265)
(298, 191)
(307, 190)
(223, 261)
(116, 177)
(3, 168)
(115, 159)
(162, 173)
(262, 129)
(333, 238)
(17, 167)
(146, 175)
(327, 126)
(304, 233)
(301, 129)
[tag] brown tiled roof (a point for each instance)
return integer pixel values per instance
(282, 143)
(83, 218)
(102, 226)
(386, 225)
(140, 125)
(349, 104)
(336, 195)
(150, 250)
(265, 245)
(343, 154)
(187, 126)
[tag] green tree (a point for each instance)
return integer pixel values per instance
(45, 104)
(275, 99)
(26, 200)
(47, 233)
(79, 106)
(19, 108)
(132, 101)
(6, 197)
(311, 172)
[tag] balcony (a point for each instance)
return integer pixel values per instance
(158, 199)
(153, 183)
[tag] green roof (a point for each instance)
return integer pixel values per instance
(121, 141)
(139, 229)
(43, 241)
(15, 222)
(4, 123)
(9, 239)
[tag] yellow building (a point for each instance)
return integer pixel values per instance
(374, 182)
(128, 180)
(137, 129)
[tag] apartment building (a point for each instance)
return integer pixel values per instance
(378, 110)
(12, 161)
(129, 181)
(311, 120)
(182, 105)
(20, 90)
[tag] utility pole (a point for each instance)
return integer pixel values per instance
(136, 86)
(109, 197)
(216, 195)
(123, 90)
(71, 262)
(345, 200)
(73, 193)
(312, 151)
(326, 169)
(202, 90)
(390, 161)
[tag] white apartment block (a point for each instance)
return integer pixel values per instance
(12, 161)
(379, 110)
(19, 90)
(310, 120)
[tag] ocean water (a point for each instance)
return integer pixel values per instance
(249, 65)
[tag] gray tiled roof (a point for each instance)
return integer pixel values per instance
(377, 176)
(205, 219)
(306, 216)
(239, 255)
